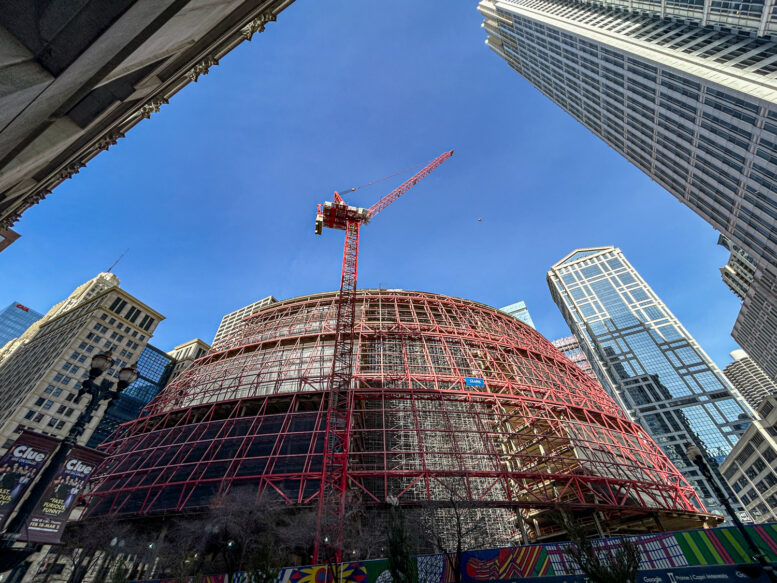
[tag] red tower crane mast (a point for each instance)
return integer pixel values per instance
(334, 481)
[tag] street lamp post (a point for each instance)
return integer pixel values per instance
(696, 456)
(99, 365)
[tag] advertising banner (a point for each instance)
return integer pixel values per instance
(19, 467)
(48, 519)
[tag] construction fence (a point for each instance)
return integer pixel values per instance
(713, 555)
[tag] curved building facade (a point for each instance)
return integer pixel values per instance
(453, 400)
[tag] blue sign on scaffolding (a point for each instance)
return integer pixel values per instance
(473, 382)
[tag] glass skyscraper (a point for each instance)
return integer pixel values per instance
(14, 320)
(687, 92)
(154, 369)
(519, 311)
(644, 357)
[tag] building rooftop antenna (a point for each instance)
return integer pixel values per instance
(117, 260)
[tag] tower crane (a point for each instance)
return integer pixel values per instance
(338, 214)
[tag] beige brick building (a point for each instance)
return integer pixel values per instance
(41, 372)
(751, 467)
(185, 354)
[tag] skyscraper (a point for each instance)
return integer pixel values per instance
(230, 322)
(644, 357)
(755, 329)
(14, 320)
(750, 468)
(519, 311)
(738, 273)
(185, 354)
(41, 375)
(756, 325)
(83, 292)
(749, 379)
(685, 91)
(692, 106)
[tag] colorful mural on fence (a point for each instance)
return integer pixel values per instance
(706, 554)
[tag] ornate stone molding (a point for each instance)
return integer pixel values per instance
(152, 107)
(257, 25)
(70, 170)
(36, 197)
(108, 140)
(9, 221)
(201, 68)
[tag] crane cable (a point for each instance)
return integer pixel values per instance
(384, 178)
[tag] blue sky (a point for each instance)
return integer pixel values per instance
(215, 195)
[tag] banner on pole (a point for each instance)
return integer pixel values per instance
(19, 467)
(48, 519)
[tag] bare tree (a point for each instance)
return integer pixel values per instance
(181, 553)
(399, 545)
(259, 536)
(601, 565)
(452, 529)
(87, 544)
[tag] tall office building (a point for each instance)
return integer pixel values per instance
(690, 102)
(751, 467)
(234, 320)
(571, 349)
(154, 370)
(749, 379)
(83, 292)
(40, 377)
(645, 358)
(15, 320)
(185, 354)
(755, 329)
(519, 311)
(756, 326)
(738, 273)
(685, 91)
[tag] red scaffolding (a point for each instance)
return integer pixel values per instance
(450, 399)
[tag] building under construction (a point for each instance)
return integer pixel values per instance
(453, 403)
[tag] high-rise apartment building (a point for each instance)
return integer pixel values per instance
(756, 325)
(687, 92)
(571, 349)
(154, 370)
(739, 272)
(519, 311)
(751, 467)
(647, 360)
(232, 321)
(40, 377)
(77, 76)
(688, 100)
(749, 379)
(755, 329)
(15, 320)
(185, 354)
